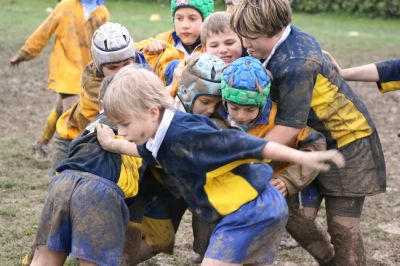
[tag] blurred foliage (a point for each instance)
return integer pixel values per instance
(370, 8)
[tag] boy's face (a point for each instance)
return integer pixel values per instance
(138, 129)
(112, 68)
(188, 23)
(260, 47)
(225, 45)
(243, 114)
(206, 105)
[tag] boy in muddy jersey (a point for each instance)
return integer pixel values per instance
(309, 92)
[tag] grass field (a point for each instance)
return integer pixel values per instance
(24, 103)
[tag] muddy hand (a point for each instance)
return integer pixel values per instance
(279, 185)
(155, 47)
(333, 62)
(326, 157)
(15, 60)
(105, 135)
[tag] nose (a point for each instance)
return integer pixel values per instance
(211, 110)
(185, 24)
(223, 50)
(241, 117)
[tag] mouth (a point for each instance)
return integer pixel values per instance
(226, 58)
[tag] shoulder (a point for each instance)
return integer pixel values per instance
(90, 72)
(66, 5)
(166, 36)
(298, 51)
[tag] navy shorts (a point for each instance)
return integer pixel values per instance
(251, 235)
(85, 216)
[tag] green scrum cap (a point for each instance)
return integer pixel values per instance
(205, 7)
(245, 82)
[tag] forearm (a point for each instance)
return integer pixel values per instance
(122, 146)
(283, 135)
(367, 73)
(279, 152)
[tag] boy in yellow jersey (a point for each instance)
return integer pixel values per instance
(91, 211)
(167, 49)
(73, 22)
(112, 48)
(219, 173)
(309, 92)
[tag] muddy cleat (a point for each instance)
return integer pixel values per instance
(40, 152)
(196, 258)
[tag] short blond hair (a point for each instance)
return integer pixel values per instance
(218, 22)
(132, 92)
(255, 18)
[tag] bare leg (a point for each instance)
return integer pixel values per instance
(343, 215)
(310, 234)
(47, 257)
(133, 239)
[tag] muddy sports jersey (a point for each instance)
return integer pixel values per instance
(309, 92)
(164, 63)
(74, 120)
(298, 177)
(216, 171)
(71, 49)
(389, 75)
(90, 202)
(86, 155)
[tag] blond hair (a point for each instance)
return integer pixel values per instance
(218, 22)
(132, 92)
(254, 18)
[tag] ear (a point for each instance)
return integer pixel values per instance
(154, 113)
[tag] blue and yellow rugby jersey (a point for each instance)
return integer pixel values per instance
(86, 155)
(310, 92)
(389, 75)
(216, 171)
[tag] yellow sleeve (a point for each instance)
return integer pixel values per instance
(160, 61)
(165, 36)
(73, 121)
(41, 36)
(388, 86)
(129, 178)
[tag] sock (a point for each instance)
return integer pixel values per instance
(50, 126)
